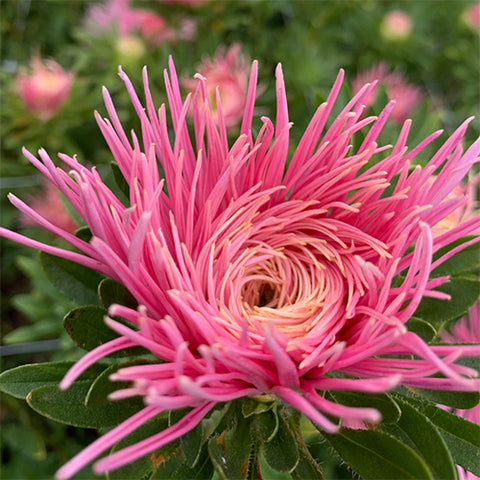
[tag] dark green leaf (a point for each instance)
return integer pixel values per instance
(384, 403)
(251, 406)
(461, 436)
(69, 406)
(423, 329)
(143, 467)
(374, 455)
(110, 292)
(464, 290)
(120, 179)
(467, 260)
(307, 467)
(427, 441)
(102, 387)
(266, 425)
(463, 400)
(84, 233)
(281, 452)
(230, 451)
(86, 327)
(175, 469)
(25, 440)
(74, 281)
(192, 445)
(20, 381)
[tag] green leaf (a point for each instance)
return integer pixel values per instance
(192, 444)
(307, 467)
(281, 452)
(266, 425)
(461, 436)
(427, 441)
(74, 281)
(25, 440)
(102, 387)
(462, 400)
(464, 290)
(120, 179)
(384, 403)
(251, 406)
(110, 292)
(467, 260)
(86, 327)
(84, 233)
(20, 381)
(143, 467)
(374, 455)
(423, 329)
(69, 407)
(174, 469)
(230, 451)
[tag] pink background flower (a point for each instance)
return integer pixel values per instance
(229, 72)
(46, 88)
(396, 25)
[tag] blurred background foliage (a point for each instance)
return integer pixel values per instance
(437, 53)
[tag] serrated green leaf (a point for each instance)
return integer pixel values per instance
(69, 407)
(175, 469)
(230, 451)
(266, 425)
(384, 403)
(427, 441)
(423, 329)
(250, 406)
(74, 281)
(467, 260)
(461, 436)
(374, 455)
(87, 328)
(20, 381)
(307, 467)
(192, 444)
(110, 292)
(464, 291)
(281, 452)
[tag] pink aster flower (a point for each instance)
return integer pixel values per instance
(48, 204)
(396, 25)
(45, 89)
(119, 15)
(405, 95)
(254, 277)
(228, 72)
(471, 16)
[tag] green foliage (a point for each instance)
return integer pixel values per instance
(261, 437)
(74, 281)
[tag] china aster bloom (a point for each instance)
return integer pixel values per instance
(227, 71)
(396, 25)
(471, 16)
(257, 273)
(119, 15)
(406, 95)
(46, 88)
(47, 203)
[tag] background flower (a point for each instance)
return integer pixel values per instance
(45, 89)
